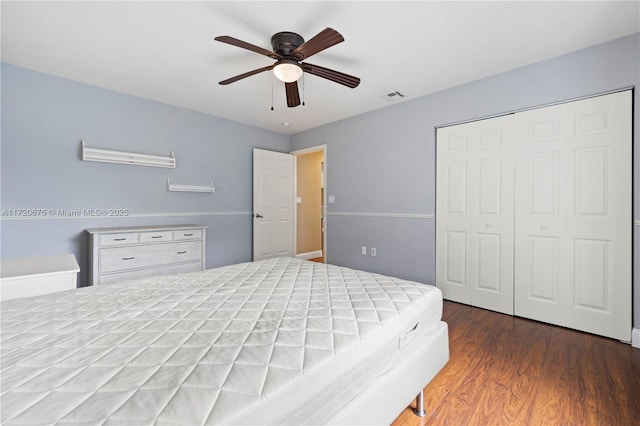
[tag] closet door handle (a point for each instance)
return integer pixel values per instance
(487, 225)
(543, 226)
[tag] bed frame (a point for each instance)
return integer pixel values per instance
(383, 401)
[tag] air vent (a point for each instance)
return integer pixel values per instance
(394, 96)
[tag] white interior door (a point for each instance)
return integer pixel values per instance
(474, 213)
(574, 215)
(273, 176)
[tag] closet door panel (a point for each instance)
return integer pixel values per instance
(591, 278)
(540, 207)
(488, 255)
(543, 272)
(573, 183)
(591, 181)
(599, 215)
(492, 213)
(543, 191)
(453, 231)
(490, 186)
(455, 266)
(542, 295)
(486, 220)
(456, 188)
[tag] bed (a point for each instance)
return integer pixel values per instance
(278, 341)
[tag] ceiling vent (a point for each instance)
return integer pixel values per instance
(394, 96)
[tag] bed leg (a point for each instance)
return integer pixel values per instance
(419, 410)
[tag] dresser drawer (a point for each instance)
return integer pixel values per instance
(143, 273)
(135, 257)
(188, 234)
(119, 239)
(155, 237)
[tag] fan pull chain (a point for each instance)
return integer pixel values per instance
(272, 93)
(302, 89)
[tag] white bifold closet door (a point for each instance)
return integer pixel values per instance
(474, 213)
(573, 264)
(539, 225)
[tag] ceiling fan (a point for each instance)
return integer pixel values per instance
(289, 49)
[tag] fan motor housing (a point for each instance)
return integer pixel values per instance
(284, 43)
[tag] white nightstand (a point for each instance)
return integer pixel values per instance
(33, 276)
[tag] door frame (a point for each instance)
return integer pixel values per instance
(317, 148)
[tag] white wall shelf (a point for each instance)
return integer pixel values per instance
(190, 188)
(122, 157)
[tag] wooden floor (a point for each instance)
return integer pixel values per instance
(512, 371)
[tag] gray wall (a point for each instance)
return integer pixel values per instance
(381, 165)
(45, 117)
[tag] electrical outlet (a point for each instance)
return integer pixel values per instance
(373, 251)
(364, 250)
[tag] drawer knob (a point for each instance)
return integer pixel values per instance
(182, 252)
(156, 236)
(128, 258)
(119, 239)
(188, 235)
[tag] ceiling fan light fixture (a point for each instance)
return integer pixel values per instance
(287, 71)
(289, 50)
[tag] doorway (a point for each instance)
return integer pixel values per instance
(310, 207)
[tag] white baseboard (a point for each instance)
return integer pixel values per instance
(635, 338)
(309, 255)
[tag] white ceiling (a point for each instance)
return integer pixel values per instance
(165, 51)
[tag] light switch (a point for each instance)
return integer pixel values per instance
(332, 199)
(299, 200)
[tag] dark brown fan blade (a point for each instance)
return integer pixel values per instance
(329, 74)
(245, 75)
(293, 97)
(323, 40)
(243, 44)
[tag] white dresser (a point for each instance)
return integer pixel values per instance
(119, 254)
(33, 276)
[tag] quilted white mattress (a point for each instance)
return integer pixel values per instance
(248, 343)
